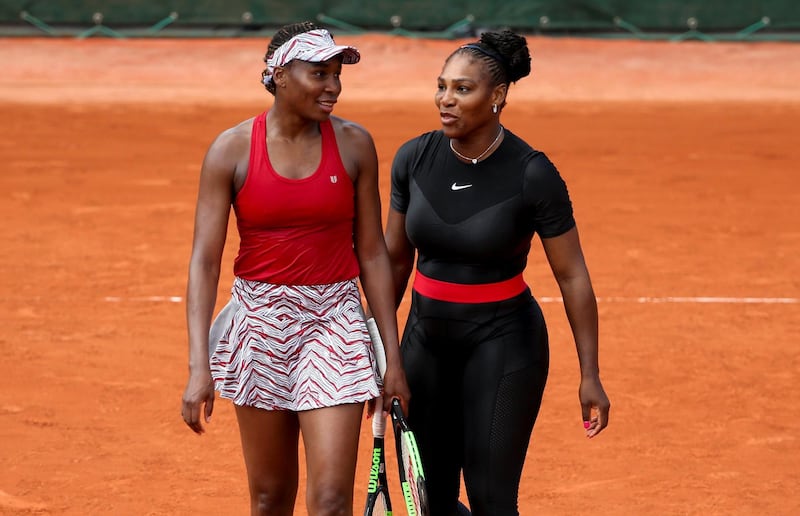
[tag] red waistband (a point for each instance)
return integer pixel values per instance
(460, 293)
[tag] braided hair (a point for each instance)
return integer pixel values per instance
(283, 35)
(504, 53)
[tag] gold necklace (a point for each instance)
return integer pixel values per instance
(482, 154)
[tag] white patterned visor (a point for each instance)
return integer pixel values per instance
(313, 46)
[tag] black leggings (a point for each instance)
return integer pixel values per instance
(477, 374)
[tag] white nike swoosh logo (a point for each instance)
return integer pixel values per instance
(455, 187)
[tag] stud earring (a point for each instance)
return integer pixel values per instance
(494, 108)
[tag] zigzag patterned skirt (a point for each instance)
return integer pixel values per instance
(280, 347)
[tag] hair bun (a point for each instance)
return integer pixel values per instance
(513, 48)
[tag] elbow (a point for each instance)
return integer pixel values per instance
(202, 267)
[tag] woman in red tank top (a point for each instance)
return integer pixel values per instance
(291, 349)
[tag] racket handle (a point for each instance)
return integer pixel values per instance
(378, 419)
(377, 345)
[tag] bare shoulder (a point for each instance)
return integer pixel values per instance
(233, 137)
(356, 147)
(230, 146)
(350, 130)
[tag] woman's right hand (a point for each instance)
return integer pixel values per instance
(395, 386)
(198, 397)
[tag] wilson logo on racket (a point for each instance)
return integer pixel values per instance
(374, 471)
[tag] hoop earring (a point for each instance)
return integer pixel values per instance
(494, 108)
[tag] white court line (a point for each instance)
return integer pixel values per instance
(640, 300)
(148, 299)
(700, 300)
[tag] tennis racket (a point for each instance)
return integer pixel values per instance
(378, 501)
(412, 477)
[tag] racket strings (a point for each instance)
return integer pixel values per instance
(412, 470)
(380, 508)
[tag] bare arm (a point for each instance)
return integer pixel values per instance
(401, 253)
(373, 258)
(569, 268)
(211, 224)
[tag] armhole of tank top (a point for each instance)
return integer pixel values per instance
(254, 142)
(330, 150)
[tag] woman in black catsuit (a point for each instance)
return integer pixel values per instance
(468, 200)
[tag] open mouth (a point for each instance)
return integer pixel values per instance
(447, 118)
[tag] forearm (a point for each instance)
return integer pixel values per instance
(581, 308)
(375, 277)
(376, 281)
(401, 272)
(201, 296)
(401, 254)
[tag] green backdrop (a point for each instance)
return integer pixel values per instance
(415, 15)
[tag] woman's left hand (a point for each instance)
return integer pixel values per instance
(594, 405)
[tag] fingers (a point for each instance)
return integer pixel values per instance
(197, 403)
(387, 404)
(192, 420)
(594, 406)
(396, 388)
(602, 418)
(371, 404)
(586, 412)
(191, 416)
(591, 427)
(209, 409)
(594, 424)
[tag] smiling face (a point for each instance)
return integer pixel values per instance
(312, 89)
(465, 96)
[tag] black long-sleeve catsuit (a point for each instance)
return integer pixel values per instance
(476, 370)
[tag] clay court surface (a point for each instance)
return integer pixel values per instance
(682, 161)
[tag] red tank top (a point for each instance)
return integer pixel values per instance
(295, 231)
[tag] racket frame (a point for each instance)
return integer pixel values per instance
(415, 493)
(378, 485)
